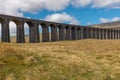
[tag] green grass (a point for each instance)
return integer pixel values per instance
(67, 60)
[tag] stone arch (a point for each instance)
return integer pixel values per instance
(29, 31)
(78, 33)
(88, 33)
(114, 33)
(57, 32)
(16, 21)
(97, 34)
(105, 34)
(91, 33)
(117, 34)
(111, 33)
(85, 32)
(2, 22)
(101, 37)
(54, 36)
(45, 32)
(65, 33)
(61, 32)
(40, 32)
(0, 31)
(94, 33)
(18, 29)
(109, 37)
(26, 32)
(13, 31)
(50, 32)
(73, 33)
(68, 32)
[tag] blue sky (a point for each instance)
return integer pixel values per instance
(84, 15)
(80, 12)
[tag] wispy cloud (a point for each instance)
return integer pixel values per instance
(104, 20)
(18, 7)
(62, 17)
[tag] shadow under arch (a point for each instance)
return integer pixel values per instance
(54, 32)
(68, 33)
(45, 32)
(29, 32)
(78, 33)
(2, 22)
(61, 33)
(73, 33)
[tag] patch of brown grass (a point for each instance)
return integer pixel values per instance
(67, 60)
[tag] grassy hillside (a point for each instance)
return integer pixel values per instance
(68, 60)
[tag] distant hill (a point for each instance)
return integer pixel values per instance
(108, 25)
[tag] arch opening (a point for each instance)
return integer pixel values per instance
(54, 32)
(0, 32)
(40, 33)
(59, 27)
(30, 31)
(26, 32)
(13, 31)
(61, 32)
(57, 33)
(50, 32)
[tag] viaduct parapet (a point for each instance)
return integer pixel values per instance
(59, 31)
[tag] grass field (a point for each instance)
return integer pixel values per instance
(67, 60)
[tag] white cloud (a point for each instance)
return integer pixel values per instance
(17, 7)
(80, 3)
(106, 4)
(97, 3)
(62, 18)
(116, 19)
(105, 20)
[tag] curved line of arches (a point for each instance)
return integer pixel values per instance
(58, 32)
(13, 24)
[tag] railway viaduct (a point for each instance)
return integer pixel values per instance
(59, 31)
